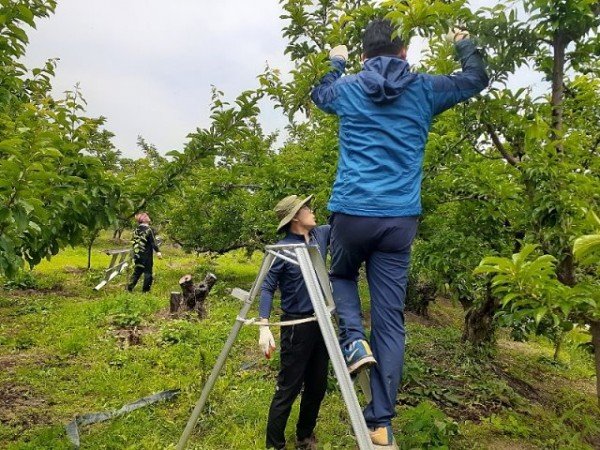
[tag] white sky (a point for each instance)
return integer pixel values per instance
(148, 65)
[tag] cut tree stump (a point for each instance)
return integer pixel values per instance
(192, 297)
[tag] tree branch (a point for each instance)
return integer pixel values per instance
(445, 152)
(230, 186)
(498, 144)
(223, 250)
(473, 197)
(486, 156)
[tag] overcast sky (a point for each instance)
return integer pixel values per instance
(148, 65)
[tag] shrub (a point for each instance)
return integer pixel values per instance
(427, 427)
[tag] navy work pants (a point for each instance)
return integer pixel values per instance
(384, 244)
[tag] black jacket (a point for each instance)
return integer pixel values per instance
(144, 243)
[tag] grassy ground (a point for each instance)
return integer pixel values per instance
(67, 350)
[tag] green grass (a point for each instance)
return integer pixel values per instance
(63, 353)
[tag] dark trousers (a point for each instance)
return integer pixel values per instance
(145, 268)
(304, 361)
(384, 244)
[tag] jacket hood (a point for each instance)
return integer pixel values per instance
(384, 78)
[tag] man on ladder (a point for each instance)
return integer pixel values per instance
(385, 113)
(304, 358)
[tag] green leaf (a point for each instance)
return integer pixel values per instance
(587, 249)
(539, 314)
(26, 15)
(35, 226)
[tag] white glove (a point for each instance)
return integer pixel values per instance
(456, 34)
(339, 51)
(266, 342)
(159, 255)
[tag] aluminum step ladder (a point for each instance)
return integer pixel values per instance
(308, 258)
(115, 268)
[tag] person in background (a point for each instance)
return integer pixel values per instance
(144, 245)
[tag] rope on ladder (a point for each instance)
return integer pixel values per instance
(286, 323)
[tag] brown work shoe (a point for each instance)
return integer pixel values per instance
(309, 443)
(383, 438)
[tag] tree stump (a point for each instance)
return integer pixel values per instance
(419, 294)
(192, 297)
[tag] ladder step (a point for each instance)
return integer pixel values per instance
(240, 294)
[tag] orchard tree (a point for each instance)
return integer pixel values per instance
(509, 168)
(217, 208)
(51, 188)
(530, 291)
(229, 204)
(100, 145)
(514, 167)
(587, 251)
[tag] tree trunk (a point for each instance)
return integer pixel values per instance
(559, 43)
(89, 249)
(566, 269)
(595, 329)
(89, 259)
(175, 302)
(479, 321)
(558, 344)
(419, 294)
(117, 234)
(193, 296)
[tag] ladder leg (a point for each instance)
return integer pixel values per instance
(111, 266)
(317, 262)
(365, 385)
(319, 266)
(122, 260)
(331, 342)
(264, 269)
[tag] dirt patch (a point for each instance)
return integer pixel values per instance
(502, 444)
(127, 337)
(475, 413)
(445, 312)
(21, 406)
(75, 270)
(521, 387)
(9, 363)
(594, 441)
(58, 290)
(421, 320)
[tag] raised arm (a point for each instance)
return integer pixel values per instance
(448, 90)
(324, 94)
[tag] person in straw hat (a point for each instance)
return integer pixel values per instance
(304, 357)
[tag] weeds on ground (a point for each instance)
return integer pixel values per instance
(62, 349)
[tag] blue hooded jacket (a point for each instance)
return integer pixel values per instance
(385, 113)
